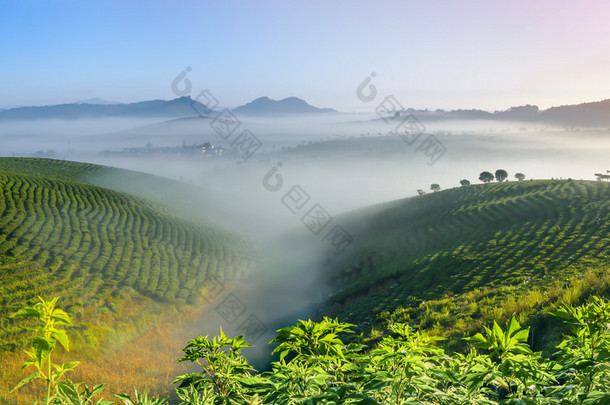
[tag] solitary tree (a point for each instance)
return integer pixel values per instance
(601, 177)
(486, 177)
(464, 183)
(519, 176)
(420, 191)
(435, 187)
(501, 175)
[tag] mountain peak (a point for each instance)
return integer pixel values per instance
(97, 101)
(289, 105)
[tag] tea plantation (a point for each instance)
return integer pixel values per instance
(455, 259)
(96, 246)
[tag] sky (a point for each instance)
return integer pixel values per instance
(428, 54)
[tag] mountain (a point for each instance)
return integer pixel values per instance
(585, 114)
(97, 101)
(287, 106)
(177, 108)
(593, 114)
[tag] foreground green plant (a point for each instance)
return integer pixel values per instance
(140, 398)
(315, 366)
(585, 355)
(405, 366)
(223, 368)
(48, 334)
(67, 393)
(511, 365)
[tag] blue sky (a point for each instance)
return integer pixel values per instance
(432, 54)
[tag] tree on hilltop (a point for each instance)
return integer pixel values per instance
(486, 177)
(501, 175)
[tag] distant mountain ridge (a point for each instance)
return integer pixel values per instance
(177, 108)
(591, 114)
(588, 114)
(289, 105)
(182, 107)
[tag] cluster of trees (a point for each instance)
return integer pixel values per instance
(488, 177)
(500, 176)
(316, 366)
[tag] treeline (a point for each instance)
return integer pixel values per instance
(485, 177)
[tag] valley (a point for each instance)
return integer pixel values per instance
(150, 246)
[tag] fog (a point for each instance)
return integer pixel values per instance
(340, 162)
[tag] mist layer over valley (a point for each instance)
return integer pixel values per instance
(344, 162)
(336, 163)
(300, 215)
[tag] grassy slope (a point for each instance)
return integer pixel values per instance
(453, 259)
(163, 190)
(102, 250)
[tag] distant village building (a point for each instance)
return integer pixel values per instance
(205, 149)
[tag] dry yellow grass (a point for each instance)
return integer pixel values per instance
(149, 362)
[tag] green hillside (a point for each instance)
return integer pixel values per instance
(163, 190)
(450, 260)
(95, 246)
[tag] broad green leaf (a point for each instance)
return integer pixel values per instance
(29, 312)
(42, 348)
(476, 339)
(125, 398)
(597, 398)
(521, 401)
(512, 326)
(63, 368)
(26, 380)
(522, 335)
(95, 390)
(62, 317)
(61, 336)
(68, 393)
(497, 332)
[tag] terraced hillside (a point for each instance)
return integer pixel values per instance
(95, 246)
(163, 190)
(463, 254)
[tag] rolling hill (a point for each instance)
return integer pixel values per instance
(100, 249)
(452, 260)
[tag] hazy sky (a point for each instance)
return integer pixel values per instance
(429, 54)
